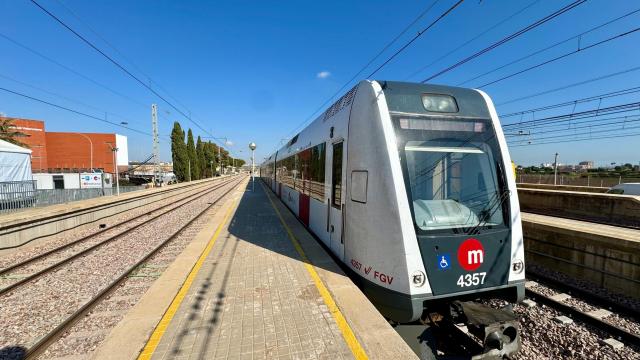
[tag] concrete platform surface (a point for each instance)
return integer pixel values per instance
(266, 290)
(584, 227)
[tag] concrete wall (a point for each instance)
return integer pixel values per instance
(606, 261)
(590, 189)
(619, 210)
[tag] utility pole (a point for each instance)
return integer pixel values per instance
(114, 150)
(219, 160)
(156, 147)
(555, 170)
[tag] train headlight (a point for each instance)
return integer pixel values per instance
(439, 103)
(517, 266)
(418, 278)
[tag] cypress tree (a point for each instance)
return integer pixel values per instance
(179, 154)
(202, 163)
(193, 157)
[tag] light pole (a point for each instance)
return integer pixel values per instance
(90, 148)
(555, 171)
(114, 150)
(211, 162)
(252, 146)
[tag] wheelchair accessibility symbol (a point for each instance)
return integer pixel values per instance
(444, 261)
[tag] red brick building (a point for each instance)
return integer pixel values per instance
(72, 151)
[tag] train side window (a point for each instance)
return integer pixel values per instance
(359, 179)
(336, 176)
(316, 172)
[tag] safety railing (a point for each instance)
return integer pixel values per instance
(18, 195)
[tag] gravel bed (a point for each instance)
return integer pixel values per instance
(582, 284)
(14, 256)
(584, 305)
(543, 338)
(29, 312)
(105, 316)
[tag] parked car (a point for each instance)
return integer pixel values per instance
(625, 189)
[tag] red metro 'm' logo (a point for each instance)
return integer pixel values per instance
(471, 254)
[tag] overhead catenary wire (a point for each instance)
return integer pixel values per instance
(580, 49)
(422, 68)
(363, 68)
(507, 38)
(120, 66)
(72, 71)
(576, 115)
(581, 125)
(622, 92)
(577, 139)
(73, 111)
(577, 36)
(108, 43)
(64, 97)
(590, 133)
(565, 87)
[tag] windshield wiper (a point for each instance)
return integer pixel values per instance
(488, 212)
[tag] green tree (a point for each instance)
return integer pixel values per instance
(202, 163)
(9, 132)
(179, 154)
(193, 158)
(210, 158)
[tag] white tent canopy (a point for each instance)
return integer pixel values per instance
(15, 162)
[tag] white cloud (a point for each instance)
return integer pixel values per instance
(323, 74)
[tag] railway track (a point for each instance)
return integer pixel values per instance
(10, 229)
(6, 273)
(22, 258)
(36, 345)
(592, 318)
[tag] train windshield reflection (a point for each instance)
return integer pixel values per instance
(453, 183)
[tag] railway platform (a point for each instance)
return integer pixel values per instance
(261, 288)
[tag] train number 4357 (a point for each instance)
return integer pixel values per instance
(471, 279)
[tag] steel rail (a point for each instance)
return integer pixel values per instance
(86, 237)
(616, 331)
(585, 294)
(42, 344)
(86, 251)
(9, 229)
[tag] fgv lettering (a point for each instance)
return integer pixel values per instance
(382, 277)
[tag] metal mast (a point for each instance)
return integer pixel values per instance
(156, 146)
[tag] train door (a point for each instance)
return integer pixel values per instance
(335, 200)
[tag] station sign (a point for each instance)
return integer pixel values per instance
(90, 180)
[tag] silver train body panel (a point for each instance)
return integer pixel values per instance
(356, 178)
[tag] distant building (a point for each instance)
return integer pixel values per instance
(64, 152)
(586, 165)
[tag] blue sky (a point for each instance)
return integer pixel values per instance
(249, 70)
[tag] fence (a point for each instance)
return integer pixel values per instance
(574, 180)
(17, 195)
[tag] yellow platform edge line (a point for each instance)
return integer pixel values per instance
(160, 329)
(349, 337)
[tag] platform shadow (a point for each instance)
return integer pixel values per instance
(13, 353)
(256, 222)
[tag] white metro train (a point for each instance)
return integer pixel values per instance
(410, 186)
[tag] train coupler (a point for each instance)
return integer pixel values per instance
(497, 329)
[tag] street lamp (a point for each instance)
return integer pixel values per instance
(90, 148)
(114, 150)
(252, 146)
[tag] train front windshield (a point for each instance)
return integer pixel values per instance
(453, 172)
